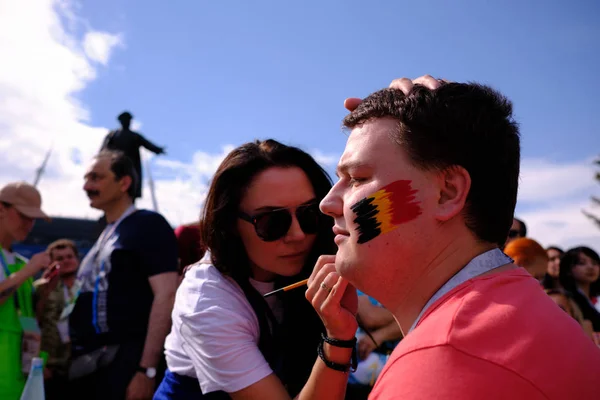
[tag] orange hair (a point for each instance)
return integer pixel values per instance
(525, 252)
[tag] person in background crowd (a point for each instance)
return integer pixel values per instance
(20, 206)
(188, 243)
(565, 301)
(529, 254)
(53, 299)
(518, 229)
(426, 195)
(378, 336)
(551, 280)
(579, 274)
(263, 230)
(126, 285)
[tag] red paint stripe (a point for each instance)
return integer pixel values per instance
(404, 204)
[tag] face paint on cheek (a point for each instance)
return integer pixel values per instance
(385, 210)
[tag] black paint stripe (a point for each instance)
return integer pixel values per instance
(366, 218)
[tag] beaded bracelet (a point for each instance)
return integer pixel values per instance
(338, 343)
(346, 344)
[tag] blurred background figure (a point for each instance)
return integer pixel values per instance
(529, 254)
(551, 280)
(579, 273)
(378, 336)
(517, 230)
(53, 299)
(188, 245)
(129, 142)
(20, 206)
(565, 301)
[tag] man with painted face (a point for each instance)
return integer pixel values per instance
(425, 198)
(125, 290)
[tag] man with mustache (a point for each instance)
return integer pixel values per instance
(425, 198)
(126, 285)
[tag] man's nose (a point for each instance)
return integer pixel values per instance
(332, 204)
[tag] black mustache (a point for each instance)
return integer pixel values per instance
(92, 193)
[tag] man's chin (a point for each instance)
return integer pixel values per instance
(68, 272)
(95, 204)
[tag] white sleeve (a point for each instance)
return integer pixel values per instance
(220, 338)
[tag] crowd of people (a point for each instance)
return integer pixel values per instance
(421, 284)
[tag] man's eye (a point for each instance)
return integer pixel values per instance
(355, 181)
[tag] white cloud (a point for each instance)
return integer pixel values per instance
(326, 160)
(551, 198)
(98, 46)
(563, 224)
(136, 125)
(48, 56)
(543, 181)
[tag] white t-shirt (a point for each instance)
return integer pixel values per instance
(215, 332)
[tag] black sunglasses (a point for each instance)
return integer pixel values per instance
(274, 224)
(513, 233)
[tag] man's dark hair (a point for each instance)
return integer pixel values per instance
(522, 228)
(468, 125)
(121, 166)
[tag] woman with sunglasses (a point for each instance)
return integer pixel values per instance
(263, 231)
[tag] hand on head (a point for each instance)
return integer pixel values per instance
(403, 84)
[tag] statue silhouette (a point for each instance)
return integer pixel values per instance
(129, 142)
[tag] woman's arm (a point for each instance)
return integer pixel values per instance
(336, 303)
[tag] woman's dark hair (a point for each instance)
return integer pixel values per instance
(556, 248)
(570, 259)
(290, 348)
(549, 282)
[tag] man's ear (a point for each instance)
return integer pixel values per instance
(454, 184)
(125, 183)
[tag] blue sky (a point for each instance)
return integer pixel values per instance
(202, 75)
(199, 74)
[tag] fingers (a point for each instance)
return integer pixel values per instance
(318, 285)
(321, 262)
(338, 290)
(428, 81)
(51, 271)
(351, 103)
(403, 84)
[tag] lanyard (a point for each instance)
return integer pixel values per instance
(4, 263)
(88, 263)
(481, 264)
(99, 277)
(7, 273)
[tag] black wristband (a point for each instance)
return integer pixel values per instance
(334, 365)
(346, 344)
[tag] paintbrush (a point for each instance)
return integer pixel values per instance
(289, 287)
(304, 282)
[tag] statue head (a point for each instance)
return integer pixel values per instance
(125, 119)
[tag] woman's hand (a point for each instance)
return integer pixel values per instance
(334, 299)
